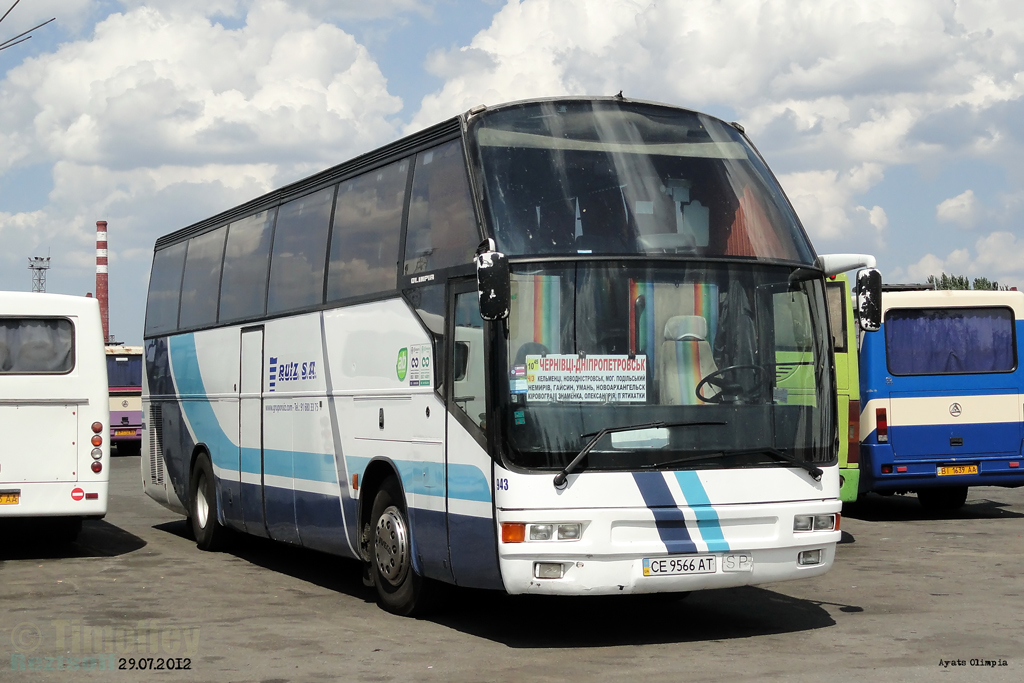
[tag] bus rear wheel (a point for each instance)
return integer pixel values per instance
(208, 531)
(945, 499)
(400, 589)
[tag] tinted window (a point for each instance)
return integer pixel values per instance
(941, 341)
(124, 371)
(367, 224)
(629, 178)
(36, 346)
(243, 289)
(837, 315)
(442, 228)
(300, 252)
(164, 290)
(202, 279)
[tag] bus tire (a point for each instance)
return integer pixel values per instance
(208, 532)
(945, 499)
(400, 590)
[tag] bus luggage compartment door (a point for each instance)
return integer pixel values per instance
(950, 426)
(41, 443)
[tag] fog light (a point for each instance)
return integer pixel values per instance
(803, 523)
(569, 532)
(97, 453)
(824, 522)
(97, 466)
(540, 532)
(547, 570)
(809, 557)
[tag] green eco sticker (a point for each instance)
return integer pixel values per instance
(403, 364)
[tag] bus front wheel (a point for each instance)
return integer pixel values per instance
(399, 588)
(208, 531)
(944, 499)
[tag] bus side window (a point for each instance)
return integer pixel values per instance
(442, 228)
(468, 391)
(836, 314)
(428, 301)
(202, 276)
(243, 289)
(300, 243)
(367, 226)
(165, 290)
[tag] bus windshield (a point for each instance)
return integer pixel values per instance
(124, 370)
(606, 177)
(733, 358)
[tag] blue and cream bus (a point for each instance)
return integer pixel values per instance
(531, 348)
(941, 391)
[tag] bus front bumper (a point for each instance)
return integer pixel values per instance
(620, 551)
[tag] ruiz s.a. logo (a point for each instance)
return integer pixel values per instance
(290, 371)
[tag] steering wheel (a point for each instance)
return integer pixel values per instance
(728, 390)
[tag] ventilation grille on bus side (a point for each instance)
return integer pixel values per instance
(156, 444)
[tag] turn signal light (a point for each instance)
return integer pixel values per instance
(514, 532)
(97, 466)
(97, 427)
(97, 439)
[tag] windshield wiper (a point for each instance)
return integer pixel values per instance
(813, 470)
(560, 478)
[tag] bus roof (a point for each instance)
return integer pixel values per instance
(124, 350)
(35, 304)
(954, 298)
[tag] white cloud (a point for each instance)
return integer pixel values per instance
(963, 210)
(998, 256)
(161, 119)
(825, 201)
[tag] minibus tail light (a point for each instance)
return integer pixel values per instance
(97, 427)
(97, 439)
(881, 425)
(853, 438)
(97, 466)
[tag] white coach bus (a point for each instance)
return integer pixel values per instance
(572, 346)
(54, 412)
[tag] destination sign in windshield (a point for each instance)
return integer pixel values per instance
(589, 379)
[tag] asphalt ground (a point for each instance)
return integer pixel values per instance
(909, 591)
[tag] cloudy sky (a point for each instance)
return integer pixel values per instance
(896, 128)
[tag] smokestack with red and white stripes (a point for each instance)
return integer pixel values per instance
(101, 277)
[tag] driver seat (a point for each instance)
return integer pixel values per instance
(684, 360)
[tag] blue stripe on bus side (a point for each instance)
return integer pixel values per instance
(188, 379)
(668, 518)
(465, 482)
(707, 518)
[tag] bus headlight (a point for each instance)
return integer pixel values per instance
(803, 523)
(540, 532)
(97, 453)
(569, 532)
(824, 522)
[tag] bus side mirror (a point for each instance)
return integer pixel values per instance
(869, 299)
(492, 281)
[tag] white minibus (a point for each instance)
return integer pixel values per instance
(54, 411)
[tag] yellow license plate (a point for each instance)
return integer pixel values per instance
(124, 432)
(947, 470)
(10, 497)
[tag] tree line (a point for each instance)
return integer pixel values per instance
(962, 282)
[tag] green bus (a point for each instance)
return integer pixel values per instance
(844, 346)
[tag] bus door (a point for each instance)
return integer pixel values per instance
(250, 431)
(471, 530)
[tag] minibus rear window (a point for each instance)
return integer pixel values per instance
(946, 341)
(31, 346)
